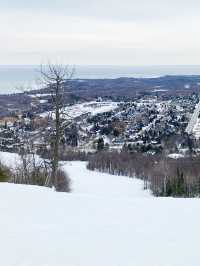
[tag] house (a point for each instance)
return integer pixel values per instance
(8, 121)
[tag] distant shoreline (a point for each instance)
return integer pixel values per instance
(14, 76)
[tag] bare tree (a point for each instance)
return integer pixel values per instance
(56, 77)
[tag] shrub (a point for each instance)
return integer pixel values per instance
(4, 174)
(39, 176)
(36, 176)
(62, 182)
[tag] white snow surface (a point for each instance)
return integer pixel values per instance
(193, 126)
(175, 155)
(13, 160)
(95, 184)
(106, 220)
(93, 108)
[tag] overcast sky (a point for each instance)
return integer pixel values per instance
(112, 32)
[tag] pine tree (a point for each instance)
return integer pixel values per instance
(100, 144)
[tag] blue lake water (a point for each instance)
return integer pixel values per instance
(17, 78)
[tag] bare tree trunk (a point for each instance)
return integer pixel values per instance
(56, 143)
(54, 77)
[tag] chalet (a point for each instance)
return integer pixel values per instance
(8, 121)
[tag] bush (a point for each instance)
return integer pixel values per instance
(39, 173)
(62, 182)
(36, 176)
(39, 176)
(66, 155)
(28, 171)
(4, 174)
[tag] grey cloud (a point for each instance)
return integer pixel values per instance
(165, 32)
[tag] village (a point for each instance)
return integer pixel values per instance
(149, 124)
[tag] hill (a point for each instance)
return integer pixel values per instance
(106, 220)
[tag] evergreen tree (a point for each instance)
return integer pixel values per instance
(100, 144)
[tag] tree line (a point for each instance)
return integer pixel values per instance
(163, 176)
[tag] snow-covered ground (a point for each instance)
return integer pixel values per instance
(38, 95)
(92, 107)
(99, 184)
(106, 220)
(193, 126)
(175, 155)
(13, 160)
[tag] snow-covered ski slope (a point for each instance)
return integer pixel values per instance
(95, 184)
(106, 220)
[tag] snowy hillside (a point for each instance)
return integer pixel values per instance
(92, 107)
(98, 184)
(106, 220)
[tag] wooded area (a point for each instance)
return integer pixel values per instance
(164, 176)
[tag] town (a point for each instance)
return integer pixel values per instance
(157, 122)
